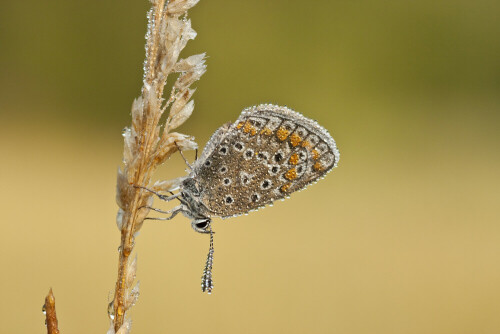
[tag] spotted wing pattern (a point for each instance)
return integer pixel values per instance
(267, 154)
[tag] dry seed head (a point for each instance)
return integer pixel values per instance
(132, 297)
(181, 98)
(129, 148)
(168, 185)
(176, 35)
(119, 218)
(186, 79)
(125, 328)
(182, 115)
(180, 7)
(146, 201)
(131, 272)
(145, 145)
(168, 146)
(186, 64)
(184, 142)
(137, 111)
(124, 191)
(111, 329)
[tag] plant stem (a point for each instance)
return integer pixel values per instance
(50, 313)
(146, 146)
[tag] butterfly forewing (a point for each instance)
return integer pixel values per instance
(268, 153)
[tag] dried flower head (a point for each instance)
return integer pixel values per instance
(148, 142)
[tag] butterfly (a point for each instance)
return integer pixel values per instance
(268, 153)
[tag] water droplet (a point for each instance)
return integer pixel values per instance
(44, 309)
(111, 311)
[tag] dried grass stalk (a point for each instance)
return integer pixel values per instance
(146, 143)
(49, 308)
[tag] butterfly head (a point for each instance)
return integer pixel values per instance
(194, 209)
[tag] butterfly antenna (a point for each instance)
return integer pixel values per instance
(183, 157)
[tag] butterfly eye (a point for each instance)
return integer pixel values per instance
(200, 225)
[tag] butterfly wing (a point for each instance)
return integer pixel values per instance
(268, 153)
(212, 144)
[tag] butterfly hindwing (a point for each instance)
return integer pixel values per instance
(267, 154)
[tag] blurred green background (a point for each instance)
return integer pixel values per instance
(403, 237)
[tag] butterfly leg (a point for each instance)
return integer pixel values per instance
(160, 196)
(174, 212)
(177, 208)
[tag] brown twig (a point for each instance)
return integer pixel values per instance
(145, 145)
(50, 313)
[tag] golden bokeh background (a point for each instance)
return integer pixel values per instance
(403, 237)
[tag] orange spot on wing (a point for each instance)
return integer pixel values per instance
(315, 154)
(295, 139)
(291, 174)
(306, 144)
(249, 128)
(318, 166)
(294, 159)
(240, 125)
(266, 131)
(285, 187)
(282, 133)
